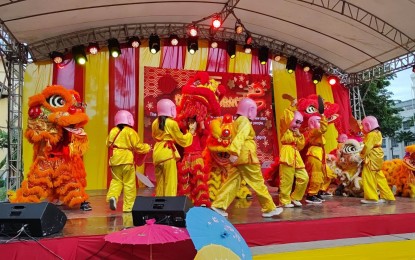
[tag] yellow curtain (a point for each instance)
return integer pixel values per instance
(96, 91)
(242, 61)
(284, 83)
(197, 61)
(323, 89)
(37, 76)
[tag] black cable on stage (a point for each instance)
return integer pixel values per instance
(37, 241)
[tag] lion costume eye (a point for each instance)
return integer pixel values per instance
(349, 148)
(311, 110)
(56, 101)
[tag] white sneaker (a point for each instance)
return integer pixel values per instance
(272, 213)
(113, 203)
(297, 203)
(372, 201)
(288, 205)
(220, 211)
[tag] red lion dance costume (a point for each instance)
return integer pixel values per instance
(200, 99)
(55, 128)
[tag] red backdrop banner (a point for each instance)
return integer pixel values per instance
(167, 83)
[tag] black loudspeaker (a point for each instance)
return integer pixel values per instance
(166, 210)
(39, 219)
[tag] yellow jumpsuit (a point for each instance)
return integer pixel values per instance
(247, 168)
(122, 164)
(373, 178)
(316, 161)
(165, 155)
(291, 163)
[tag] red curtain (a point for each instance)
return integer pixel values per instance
(218, 59)
(173, 57)
(304, 82)
(64, 74)
(341, 97)
(257, 67)
(123, 87)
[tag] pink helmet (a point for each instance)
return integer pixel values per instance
(342, 138)
(314, 122)
(166, 107)
(124, 117)
(369, 123)
(247, 107)
(297, 120)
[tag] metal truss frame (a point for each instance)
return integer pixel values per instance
(14, 57)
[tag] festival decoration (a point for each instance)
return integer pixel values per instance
(55, 128)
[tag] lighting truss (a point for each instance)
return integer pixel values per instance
(14, 57)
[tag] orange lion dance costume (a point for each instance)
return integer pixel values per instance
(55, 128)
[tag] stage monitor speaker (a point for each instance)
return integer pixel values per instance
(39, 219)
(166, 210)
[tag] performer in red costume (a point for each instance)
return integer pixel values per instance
(200, 99)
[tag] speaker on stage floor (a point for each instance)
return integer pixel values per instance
(166, 210)
(39, 219)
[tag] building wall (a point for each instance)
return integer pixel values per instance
(391, 148)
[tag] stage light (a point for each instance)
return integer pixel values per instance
(277, 57)
(248, 39)
(231, 48)
(192, 45)
(79, 55)
(114, 47)
(93, 48)
(413, 68)
(134, 42)
(216, 22)
(57, 57)
(306, 67)
(154, 43)
(238, 28)
(174, 40)
(291, 64)
(263, 55)
(317, 75)
(333, 80)
(214, 44)
(192, 31)
(248, 48)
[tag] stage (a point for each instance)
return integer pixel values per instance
(337, 218)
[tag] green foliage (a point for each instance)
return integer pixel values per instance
(3, 193)
(3, 139)
(405, 136)
(378, 102)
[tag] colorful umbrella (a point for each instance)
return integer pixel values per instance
(208, 227)
(148, 234)
(216, 252)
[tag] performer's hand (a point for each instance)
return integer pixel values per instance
(233, 158)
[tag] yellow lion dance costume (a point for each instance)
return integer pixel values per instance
(55, 128)
(400, 173)
(217, 156)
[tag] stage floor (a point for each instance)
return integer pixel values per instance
(101, 220)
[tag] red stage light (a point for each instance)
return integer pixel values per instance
(332, 80)
(216, 22)
(192, 31)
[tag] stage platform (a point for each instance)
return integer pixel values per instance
(337, 218)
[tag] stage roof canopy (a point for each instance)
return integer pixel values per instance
(354, 35)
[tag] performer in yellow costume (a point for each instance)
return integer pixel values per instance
(123, 142)
(291, 163)
(316, 158)
(372, 176)
(166, 133)
(246, 165)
